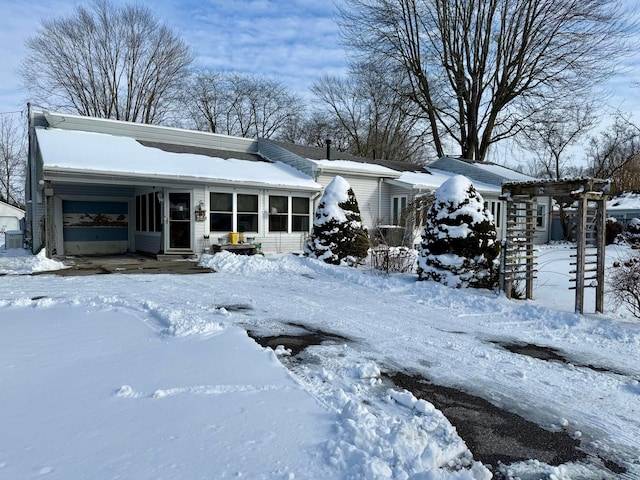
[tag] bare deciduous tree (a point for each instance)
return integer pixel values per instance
(474, 66)
(370, 107)
(550, 133)
(12, 161)
(108, 62)
(238, 104)
(615, 154)
(315, 129)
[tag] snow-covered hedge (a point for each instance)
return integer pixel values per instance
(459, 245)
(338, 236)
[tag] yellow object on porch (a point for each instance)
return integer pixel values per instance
(233, 238)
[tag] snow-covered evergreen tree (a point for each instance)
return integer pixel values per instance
(459, 245)
(338, 236)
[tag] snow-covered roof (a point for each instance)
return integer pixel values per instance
(625, 201)
(434, 178)
(8, 210)
(102, 153)
(356, 167)
(504, 172)
(488, 173)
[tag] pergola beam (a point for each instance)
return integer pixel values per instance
(582, 190)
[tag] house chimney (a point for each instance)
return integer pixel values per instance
(328, 148)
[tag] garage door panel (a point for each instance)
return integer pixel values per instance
(95, 227)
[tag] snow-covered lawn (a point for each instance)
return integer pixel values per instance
(153, 376)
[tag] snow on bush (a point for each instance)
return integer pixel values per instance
(338, 236)
(633, 230)
(624, 284)
(459, 245)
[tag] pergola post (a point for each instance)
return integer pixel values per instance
(529, 257)
(581, 246)
(601, 226)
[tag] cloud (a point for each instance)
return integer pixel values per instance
(296, 41)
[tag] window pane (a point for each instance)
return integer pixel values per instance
(300, 223)
(278, 223)
(143, 211)
(299, 205)
(138, 213)
(247, 222)
(247, 203)
(540, 216)
(278, 204)
(220, 222)
(158, 216)
(221, 202)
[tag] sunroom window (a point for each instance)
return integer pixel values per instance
(247, 213)
(221, 212)
(300, 214)
(278, 213)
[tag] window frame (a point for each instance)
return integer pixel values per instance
(399, 204)
(300, 215)
(148, 213)
(234, 213)
(541, 216)
(274, 214)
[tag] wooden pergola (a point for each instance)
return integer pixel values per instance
(518, 263)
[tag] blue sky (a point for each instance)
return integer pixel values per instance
(295, 41)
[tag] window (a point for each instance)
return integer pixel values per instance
(299, 214)
(247, 213)
(221, 214)
(157, 217)
(233, 212)
(497, 213)
(540, 216)
(398, 206)
(278, 213)
(148, 213)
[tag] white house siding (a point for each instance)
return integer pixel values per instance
(371, 199)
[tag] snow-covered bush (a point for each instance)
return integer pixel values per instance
(338, 236)
(613, 230)
(633, 230)
(624, 284)
(459, 245)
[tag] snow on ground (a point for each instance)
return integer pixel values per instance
(153, 376)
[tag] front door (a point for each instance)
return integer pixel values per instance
(179, 221)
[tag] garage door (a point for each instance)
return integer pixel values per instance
(94, 227)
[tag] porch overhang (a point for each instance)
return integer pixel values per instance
(69, 175)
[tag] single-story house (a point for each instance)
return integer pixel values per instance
(386, 189)
(624, 206)
(10, 217)
(98, 186)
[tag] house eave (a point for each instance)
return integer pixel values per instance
(67, 175)
(343, 171)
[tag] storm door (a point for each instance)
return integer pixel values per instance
(180, 221)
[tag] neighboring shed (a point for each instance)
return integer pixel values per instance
(10, 217)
